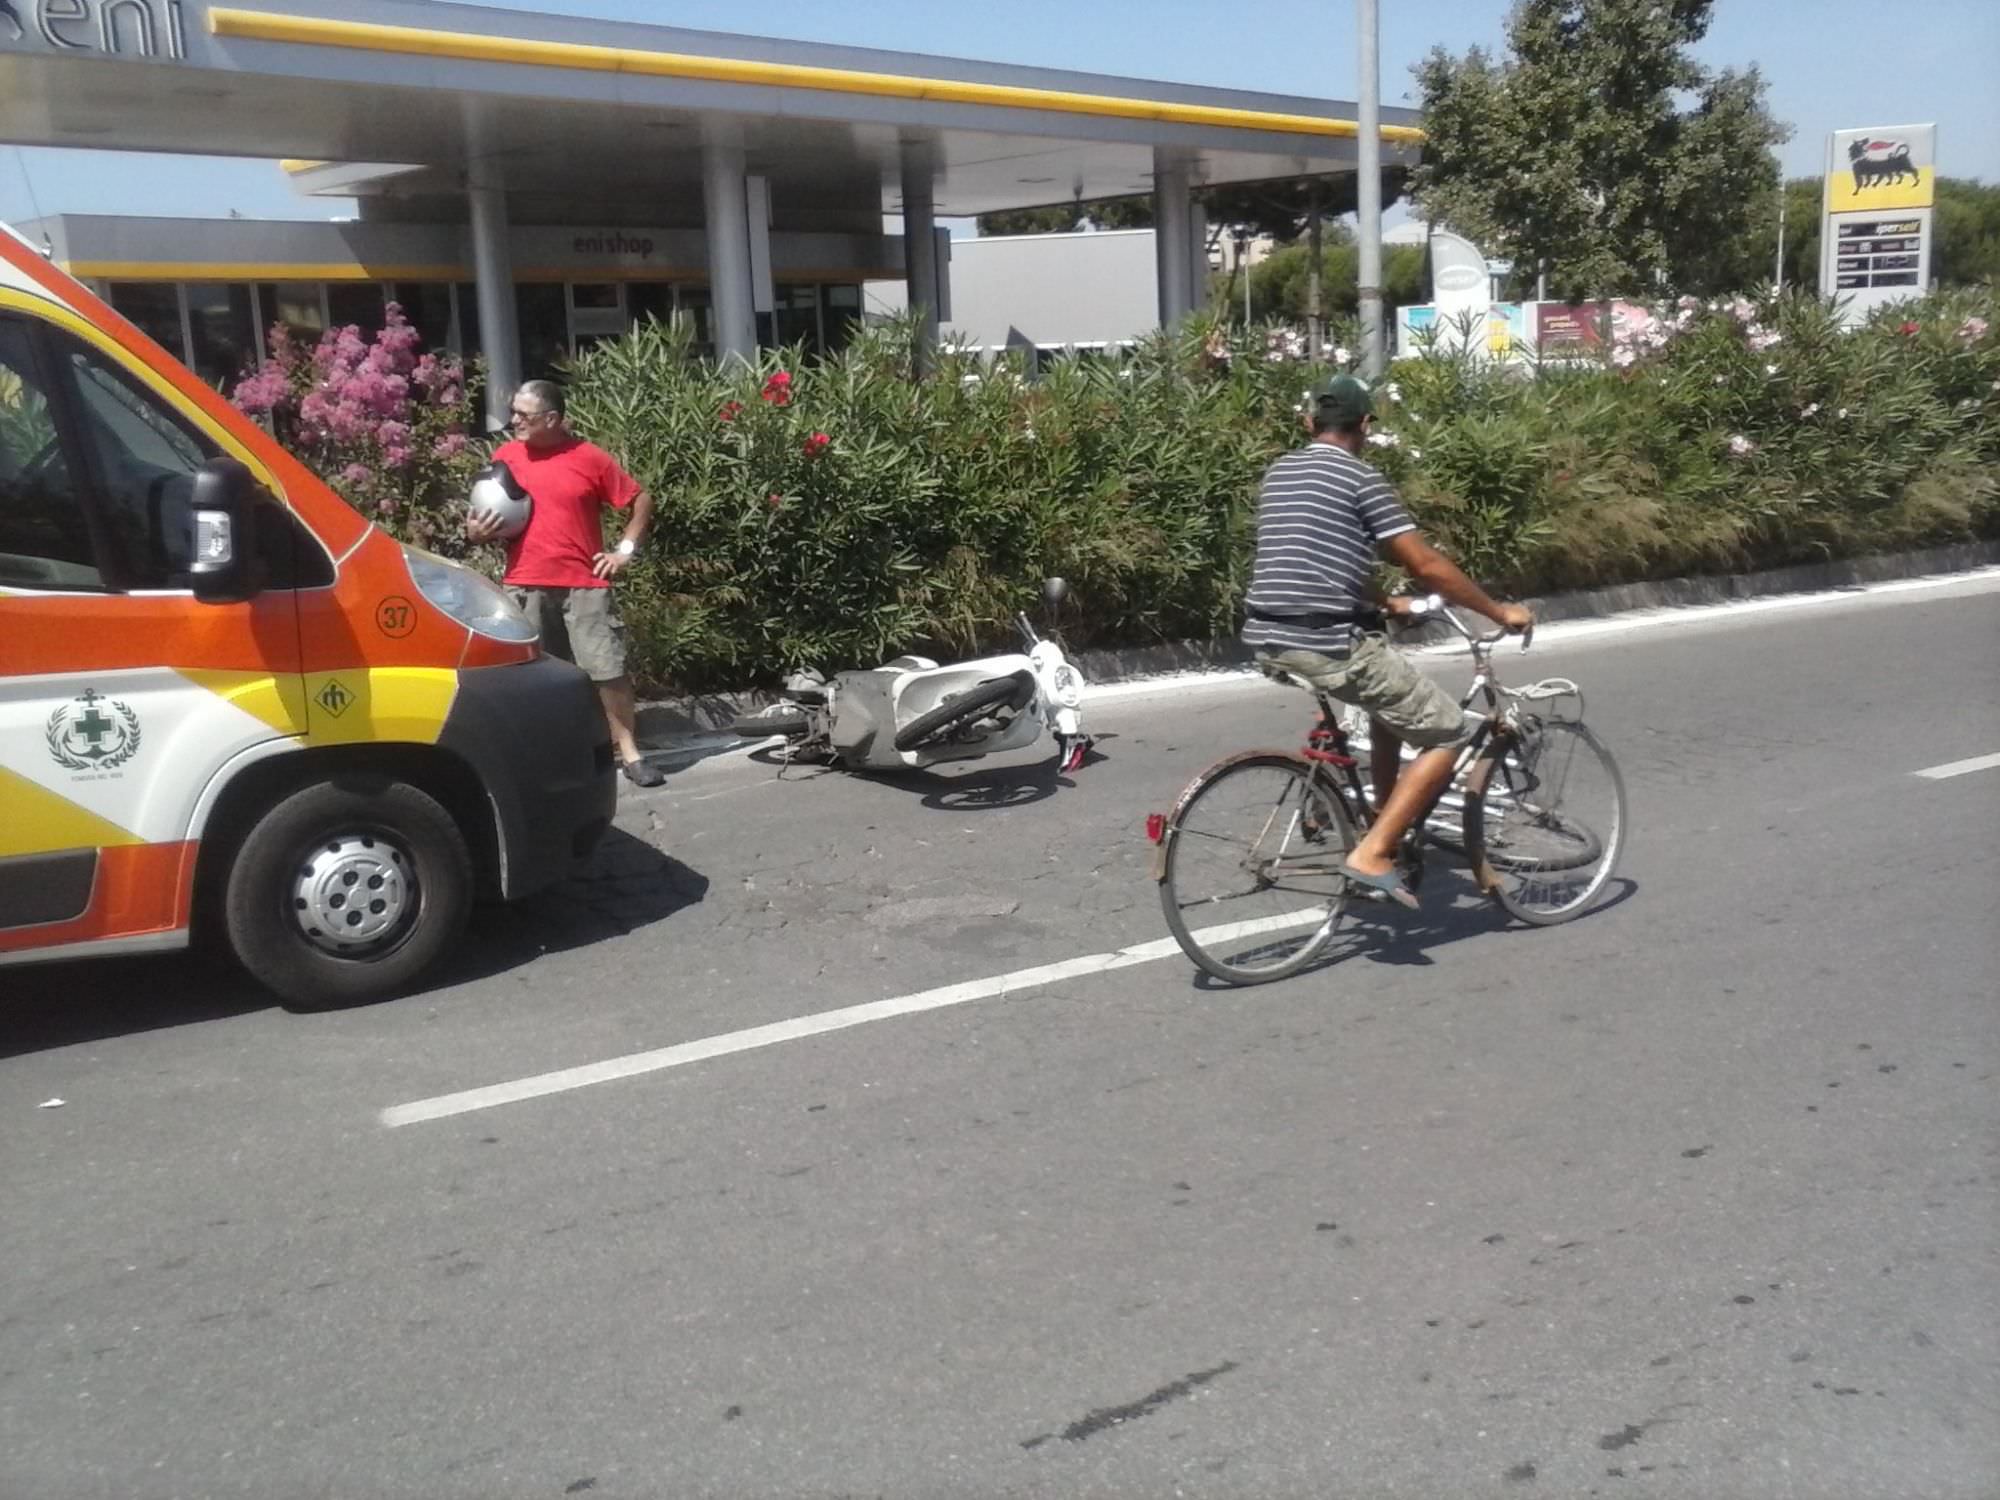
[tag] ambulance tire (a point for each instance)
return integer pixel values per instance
(266, 934)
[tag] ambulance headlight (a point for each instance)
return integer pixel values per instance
(472, 599)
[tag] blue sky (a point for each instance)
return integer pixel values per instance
(1830, 63)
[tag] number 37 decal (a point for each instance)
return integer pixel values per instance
(395, 617)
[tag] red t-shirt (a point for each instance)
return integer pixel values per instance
(570, 484)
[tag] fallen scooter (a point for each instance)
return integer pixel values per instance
(912, 712)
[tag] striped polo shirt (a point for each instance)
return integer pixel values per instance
(1321, 514)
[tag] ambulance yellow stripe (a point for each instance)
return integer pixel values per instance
(360, 706)
(38, 821)
(279, 701)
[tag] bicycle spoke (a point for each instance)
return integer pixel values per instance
(1257, 837)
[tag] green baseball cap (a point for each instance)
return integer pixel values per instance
(1343, 399)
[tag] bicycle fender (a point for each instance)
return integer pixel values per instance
(1476, 778)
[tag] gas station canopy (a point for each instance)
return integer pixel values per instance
(419, 108)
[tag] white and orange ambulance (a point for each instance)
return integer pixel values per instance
(231, 704)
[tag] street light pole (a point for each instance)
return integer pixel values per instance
(1778, 275)
(1368, 194)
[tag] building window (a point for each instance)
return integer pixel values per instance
(155, 306)
(843, 315)
(224, 330)
(298, 305)
(427, 304)
(468, 319)
(543, 310)
(695, 304)
(359, 303)
(796, 317)
(649, 299)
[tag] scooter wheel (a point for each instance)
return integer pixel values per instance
(792, 723)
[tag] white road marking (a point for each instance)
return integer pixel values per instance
(1571, 632)
(1959, 767)
(633, 1064)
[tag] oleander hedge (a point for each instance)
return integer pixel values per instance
(835, 512)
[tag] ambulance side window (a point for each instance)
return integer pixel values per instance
(145, 458)
(45, 539)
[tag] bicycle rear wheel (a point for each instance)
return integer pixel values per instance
(1548, 823)
(1250, 855)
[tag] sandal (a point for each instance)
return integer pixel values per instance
(1389, 883)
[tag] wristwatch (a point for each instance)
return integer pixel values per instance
(626, 546)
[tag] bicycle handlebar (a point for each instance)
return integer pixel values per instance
(1433, 604)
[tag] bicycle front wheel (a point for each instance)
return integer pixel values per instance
(1546, 823)
(1248, 861)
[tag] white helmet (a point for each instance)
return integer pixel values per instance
(496, 492)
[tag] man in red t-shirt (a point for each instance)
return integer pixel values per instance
(558, 569)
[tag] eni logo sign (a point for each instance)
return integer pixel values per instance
(139, 28)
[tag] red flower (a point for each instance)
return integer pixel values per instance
(775, 501)
(817, 444)
(1910, 330)
(731, 410)
(778, 388)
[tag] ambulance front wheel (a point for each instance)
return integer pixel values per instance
(347, 891)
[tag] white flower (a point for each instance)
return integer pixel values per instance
(1722, 380)
(1384, 440)
(1393, 391)
(1743, 310)
(1416, 453)
(1342, 356)
(1764, 338)
(1841, 414)
(1770, 369)
(1811, 411)
(1972, 328)
(1623, 358)
(1740, 445)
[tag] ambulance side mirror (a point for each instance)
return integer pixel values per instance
(224, 512)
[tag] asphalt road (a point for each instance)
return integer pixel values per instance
(1693, 1197)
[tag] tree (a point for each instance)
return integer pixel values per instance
(1279, 209)
(1600, 149)
(1067, 218)
(1965, 235)
(1280, 283)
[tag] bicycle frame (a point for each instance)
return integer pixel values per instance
(1334, 770)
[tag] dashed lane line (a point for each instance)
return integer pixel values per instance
(659, 1059)
(1959, 768)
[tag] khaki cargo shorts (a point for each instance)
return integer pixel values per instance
(1378, 678)
(579, 625)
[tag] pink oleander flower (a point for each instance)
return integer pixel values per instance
(817, 444)
(1972, 329)
(357, 475)
(450, 445)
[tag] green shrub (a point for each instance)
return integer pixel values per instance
(839, 511)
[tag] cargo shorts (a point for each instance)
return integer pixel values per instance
(1376, 677)
(579, 625)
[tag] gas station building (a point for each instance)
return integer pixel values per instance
(529, 183)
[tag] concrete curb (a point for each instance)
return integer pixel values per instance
(695, 724)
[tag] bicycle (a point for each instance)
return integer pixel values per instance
(1535, 803)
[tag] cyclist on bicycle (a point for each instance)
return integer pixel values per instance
(1322, 516)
